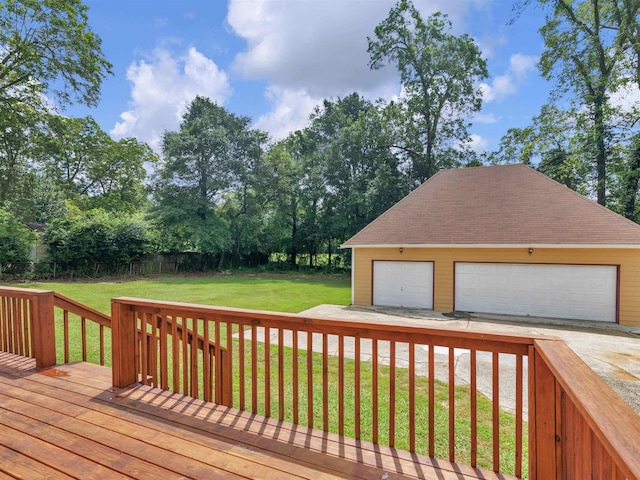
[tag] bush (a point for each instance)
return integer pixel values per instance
(16, 240)
(84, 242)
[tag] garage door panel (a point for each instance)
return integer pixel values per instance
(403, 284)
(565, 291)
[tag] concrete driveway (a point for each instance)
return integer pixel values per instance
(612, 351)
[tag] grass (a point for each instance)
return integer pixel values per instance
(261, 292)
(295, 294)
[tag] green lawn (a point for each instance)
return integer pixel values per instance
(261, 292)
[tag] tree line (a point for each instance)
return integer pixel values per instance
(225, 191)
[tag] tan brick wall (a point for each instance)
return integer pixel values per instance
(443, 258)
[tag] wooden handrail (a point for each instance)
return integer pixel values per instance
(491, 342)
(17, 292)
(81, 310)
(613, 423)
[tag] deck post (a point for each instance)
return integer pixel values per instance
(43, 329)
(543, 456)
(123, 338)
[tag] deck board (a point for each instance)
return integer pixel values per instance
(68, 422)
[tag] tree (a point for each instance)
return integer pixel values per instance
(213, 153)
(67, 148)
(361, 176)
(554, 144)
(93, 170)
(279, 185)
(16, 131)
(47, 47)
(439, 73)
(41, 202)
(624, 196)
(586, 54)
(116, 177)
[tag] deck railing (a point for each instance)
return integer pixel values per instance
(365, 381)
(424, 390)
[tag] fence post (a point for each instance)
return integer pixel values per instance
(43, 329)
(123, 338)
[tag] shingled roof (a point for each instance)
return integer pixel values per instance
(504, 205)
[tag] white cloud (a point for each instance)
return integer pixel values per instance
(508, 84)
(290, 111)
(485, 118)
(162, 87)
(478, 144)
(318, 46)
(626, 99)
(311, 50)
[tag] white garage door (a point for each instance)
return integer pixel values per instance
(403, 284)
(582, 292)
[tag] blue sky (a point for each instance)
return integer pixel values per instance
(274, 60)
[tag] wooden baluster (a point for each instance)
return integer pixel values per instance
(374, 388)
(325, 382)
(254, 370)
(83, 333)
(452, 405)
(495, 390)
(175, 354)
(164, 351)
(185, 356)
(65, 325)
(296, 386)
(267, 372)
(280, 373)
(26, 327)
(412, 398)
(356, 386)
(227, 369)
(473, 358)
(144, 349)
(392, 394)
(519, 411)
(310, 380)
(101, 329)
(432, 400)
(341, 384)
(193, 380)
(19, 338)
(241, 362)
(206, 363)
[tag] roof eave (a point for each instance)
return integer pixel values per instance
(494, 245)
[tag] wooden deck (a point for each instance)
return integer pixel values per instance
(69, 422)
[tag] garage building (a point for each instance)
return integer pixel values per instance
(501, 239)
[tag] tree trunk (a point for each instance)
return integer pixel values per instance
(601, 149)
(220, 262)
(630, 193)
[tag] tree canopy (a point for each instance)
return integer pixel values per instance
(223, 194)
(440, 75)
(47, 47)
